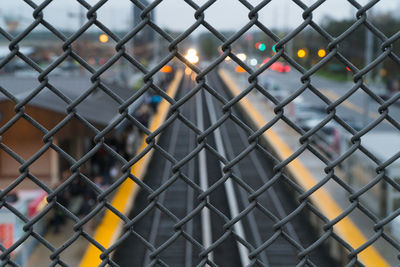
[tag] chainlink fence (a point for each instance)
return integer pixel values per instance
(85, 113)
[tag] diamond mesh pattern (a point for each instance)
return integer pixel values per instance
(99, 135)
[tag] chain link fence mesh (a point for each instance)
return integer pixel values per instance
(99, 134)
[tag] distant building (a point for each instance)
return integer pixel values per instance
(49, 110)
(383, 199)
(25, 140)
(143, 41)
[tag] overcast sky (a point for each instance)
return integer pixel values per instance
(177, 15)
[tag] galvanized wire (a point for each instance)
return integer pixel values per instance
(202, 83)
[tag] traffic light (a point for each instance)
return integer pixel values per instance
(274, 48)
(262, 47)
(321, 53)
(301, 53)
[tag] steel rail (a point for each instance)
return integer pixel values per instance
(250, 217)
(203, 179)
(230, 192)
(272, 195)
(190, 196)
(157, 216)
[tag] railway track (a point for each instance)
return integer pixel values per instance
(159, 238)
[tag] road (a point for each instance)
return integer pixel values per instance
(352, 108)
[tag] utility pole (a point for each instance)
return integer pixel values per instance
(287, 26)
(369, 42)
(79, 43)
(81, 16)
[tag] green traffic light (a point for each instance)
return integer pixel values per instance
(274, 49)
(262, 47)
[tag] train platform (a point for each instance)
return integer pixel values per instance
(308, 171)
(155, 237)
(72, 256)
(105, 227)
(173, 225)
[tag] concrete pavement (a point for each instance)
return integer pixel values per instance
(71, 256)
(352, 108)
(316, 168)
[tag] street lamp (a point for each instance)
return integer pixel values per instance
(103, 38)
(242, 56)
(192, 56)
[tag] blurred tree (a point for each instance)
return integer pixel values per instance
(208, 45)
(353, 45)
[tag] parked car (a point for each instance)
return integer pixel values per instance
(302, 111)
(355, 124)
(275, 90)
(384, 93)
(360, 170)
(277, 66)
(327, 139)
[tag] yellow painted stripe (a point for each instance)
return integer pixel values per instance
(321, 198)
(348, 104)
(110, 227)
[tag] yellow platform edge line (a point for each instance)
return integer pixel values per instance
(321, 198)
(111, 225)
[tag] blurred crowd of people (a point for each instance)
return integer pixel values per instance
(104, 168)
